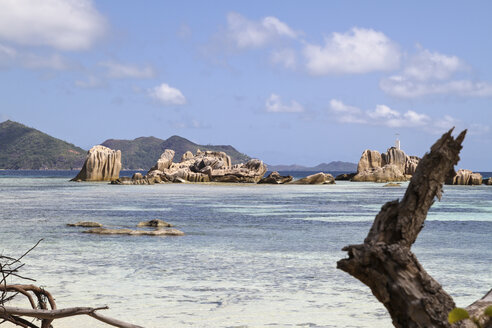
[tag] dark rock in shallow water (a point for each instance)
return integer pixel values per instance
(158, 232)
(487, 181)
(318, 178)
(154, 223)
(345, 176)
(85, 224)
(276, 178)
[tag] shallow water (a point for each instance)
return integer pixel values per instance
(253, 256)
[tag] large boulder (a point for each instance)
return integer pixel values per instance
(206, 166)
(165, 161)
(387, 173)
(101, 164)
(465, 177)
(370, 159)
(276, 178)
(394, 165)
(487, 181)
(318, 178)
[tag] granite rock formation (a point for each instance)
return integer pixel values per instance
(101, 164)
(276, 178)
(387, 173)
(487, 181)
(345, 176)
(465, 177)
(205, 166)
(318, 178)
(394, 165)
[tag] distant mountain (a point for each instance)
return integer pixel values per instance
(336, 166)
(22, 147)
(143, 152)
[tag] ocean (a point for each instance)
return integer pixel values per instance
(253, 255)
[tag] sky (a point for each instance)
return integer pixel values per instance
(284, 81)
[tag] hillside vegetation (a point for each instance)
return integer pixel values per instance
(143, 152)
(22, 147)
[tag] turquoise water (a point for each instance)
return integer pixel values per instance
(253, 256)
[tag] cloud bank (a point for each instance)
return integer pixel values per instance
(62, 24)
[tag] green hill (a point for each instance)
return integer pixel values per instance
(22, 147)
(143, 152)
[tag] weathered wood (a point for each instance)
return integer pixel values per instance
(63, 313)
(385, 263)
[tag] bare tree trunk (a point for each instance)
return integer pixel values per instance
(385, 263)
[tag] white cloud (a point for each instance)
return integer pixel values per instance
(55, 62)
(10, 57)
(382, 115)
(118, 71)
(62, 24)
(274, 104)
(245, 33)
(383, 111)
(403, 87)
(89, 83)
(355, 52)
(7, 52)
(345, 113)
(431, 73)
(167, 95)
(285, 57)
(427, 65)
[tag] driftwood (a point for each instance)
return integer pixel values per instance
(385, 263)
(43, 305)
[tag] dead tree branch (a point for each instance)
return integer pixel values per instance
(385, 263)
(9, 267)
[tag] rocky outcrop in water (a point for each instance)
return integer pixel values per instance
(85, 224)
(101, 164)
(465, 177)
(155, 223)
(487, 181)
(318, 178)
(394, 165)
(157, 232)
(205, 166)
(387, 173)
(275, 178)
(345, 176)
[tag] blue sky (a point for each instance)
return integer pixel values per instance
(284, 81)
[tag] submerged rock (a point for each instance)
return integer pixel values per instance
(465, 177)
(392, 184)
(154, 223)
(85, 224)
(158, 232)
(101, 164)
(318, 178)
(276, 178)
